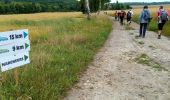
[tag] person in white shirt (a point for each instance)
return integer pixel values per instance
(129, 16)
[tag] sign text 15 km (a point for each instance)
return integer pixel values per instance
(13, 36)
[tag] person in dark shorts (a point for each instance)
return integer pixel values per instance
(162, 17)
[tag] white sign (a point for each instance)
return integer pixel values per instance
(14, 48)
(13, 61)
(13, 36)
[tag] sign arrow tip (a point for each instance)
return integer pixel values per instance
(25, 34)
(26, 45)
(25, 57)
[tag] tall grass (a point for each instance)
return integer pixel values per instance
(62, 45)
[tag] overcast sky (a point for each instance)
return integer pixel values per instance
(139, 0)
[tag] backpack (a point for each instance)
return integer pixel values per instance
(129, 14)
(122, 14)
(163, 16)
(146, 15)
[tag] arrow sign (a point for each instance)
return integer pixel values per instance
(27, 45)
(25, 57)
(14, 48)
(14, 61)
(25, 34)
(13, 36)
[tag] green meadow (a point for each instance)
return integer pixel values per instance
(62, 45)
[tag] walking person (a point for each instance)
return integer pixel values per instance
(129, 16)
(162, 17)
(144, 19)
(116, 15)
(122, 16)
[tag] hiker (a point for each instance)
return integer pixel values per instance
(122, 16)
(162, 17)
(116, 15)
(144, 19)
(129, 16)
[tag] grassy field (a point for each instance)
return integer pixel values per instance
(62, 45)
(153, 23)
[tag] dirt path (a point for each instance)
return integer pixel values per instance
(115, 74)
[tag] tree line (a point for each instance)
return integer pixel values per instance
(119, 6)
(96, 5)
(35, 6)
(20, 7)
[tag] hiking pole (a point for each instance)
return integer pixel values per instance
(149, 22)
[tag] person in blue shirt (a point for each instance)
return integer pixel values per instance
(144, 19)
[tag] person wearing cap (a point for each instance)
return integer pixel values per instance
(144, 19)
(162, 17)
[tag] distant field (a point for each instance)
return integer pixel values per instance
(62, 45)
(34, 22)
(151, 6)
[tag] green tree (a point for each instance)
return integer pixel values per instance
(117, 6)
(34, 6)
(7, 1)
(12, 8)
(2, 9)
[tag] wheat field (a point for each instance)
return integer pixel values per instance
(62, 45)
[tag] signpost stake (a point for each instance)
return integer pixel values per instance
(16, 77)
(1, 79)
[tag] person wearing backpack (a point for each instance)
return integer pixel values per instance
(129, 16)
(162, 17)
(144, 19)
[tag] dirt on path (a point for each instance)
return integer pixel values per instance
(119, 72)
